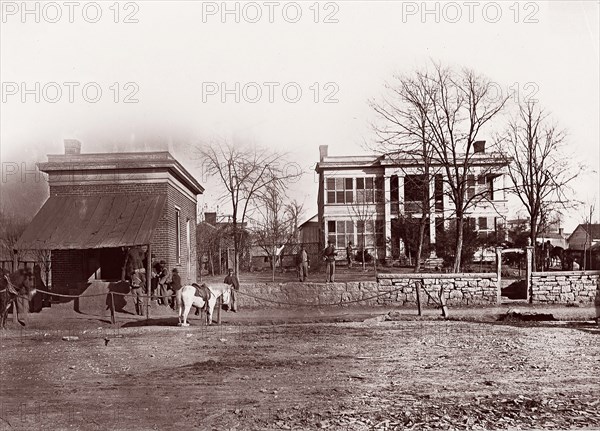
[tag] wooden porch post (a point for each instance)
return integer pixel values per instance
(148, 280)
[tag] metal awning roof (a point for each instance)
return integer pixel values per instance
(82, 222)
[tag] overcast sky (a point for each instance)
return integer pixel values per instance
(177, 49)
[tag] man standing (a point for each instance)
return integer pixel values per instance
(136, 274)
(330, 255)
(232, 280)
(303, 263)
(163, 276)
(137, 289)
(349, 254)
(175, 286)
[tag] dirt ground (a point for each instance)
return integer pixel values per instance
(339, 369)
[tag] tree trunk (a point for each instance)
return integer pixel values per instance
(273, 261)
(533, 239)
(459, 244)
(425, 210)
(421, 240)
(363, 253)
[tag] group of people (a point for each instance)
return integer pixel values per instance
(163, 285)
(329, 255)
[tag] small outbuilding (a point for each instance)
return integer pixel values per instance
(102, 204)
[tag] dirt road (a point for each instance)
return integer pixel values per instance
(351, 376)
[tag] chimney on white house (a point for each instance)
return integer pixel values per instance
(322, 152)
(479, 146)
(72, 147)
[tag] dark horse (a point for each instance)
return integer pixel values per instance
(19, 284)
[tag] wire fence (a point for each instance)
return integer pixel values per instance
(147, 298)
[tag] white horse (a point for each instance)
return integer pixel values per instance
(186, 298)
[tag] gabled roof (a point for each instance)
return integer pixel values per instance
(592, 229)
(313, 219)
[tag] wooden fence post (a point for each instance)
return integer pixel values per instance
(499, 274)
(219, 306)
(112, 308)
(15, 266)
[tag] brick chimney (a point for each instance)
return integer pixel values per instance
(210, 218)
(323, 152)
(72, 147)
(479, 146)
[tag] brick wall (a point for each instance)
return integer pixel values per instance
(187, 212)
(66, 271)
(565, 286)
(390, 289)
(103, 189)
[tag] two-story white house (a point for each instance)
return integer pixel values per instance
(362, 198)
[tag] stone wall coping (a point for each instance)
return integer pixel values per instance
(563, 273)
(445, 275)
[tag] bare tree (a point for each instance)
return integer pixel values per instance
(11, 229)
(273, 223)
(405, 129)
(462, 104)
(244, 173)
(43, 258)
(208, 243)
(539, 170)
(588, 216)
(294, 211)
(363, 212)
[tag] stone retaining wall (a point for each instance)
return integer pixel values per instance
(459, 289)
(390, 289)
(565, 286)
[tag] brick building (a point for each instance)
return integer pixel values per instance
(102, 204)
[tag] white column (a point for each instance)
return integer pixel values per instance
(401, 191)
(432, 214)
(387, 193)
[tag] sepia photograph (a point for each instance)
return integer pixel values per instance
(300, 215)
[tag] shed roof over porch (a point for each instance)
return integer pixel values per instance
(84, 222)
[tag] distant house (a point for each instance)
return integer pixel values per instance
(557, 239)
(221, 227)
(584, 237)
(261, 259)
(309, 230)
(363, 199)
